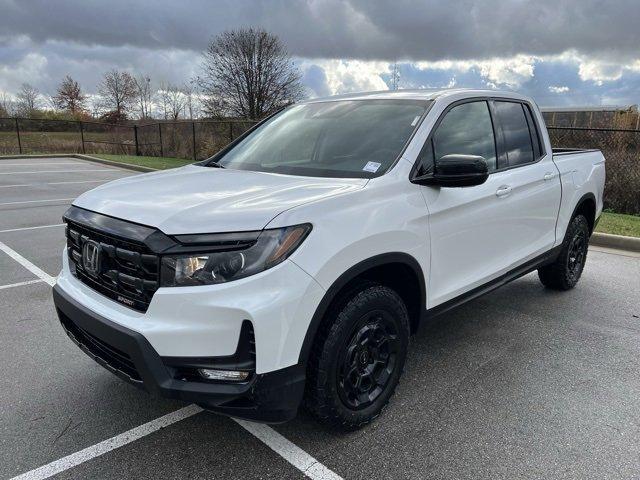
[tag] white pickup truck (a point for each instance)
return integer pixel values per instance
(293, 266)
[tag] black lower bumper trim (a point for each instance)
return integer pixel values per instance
(272, 397)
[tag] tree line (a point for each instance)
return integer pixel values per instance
(244, 73)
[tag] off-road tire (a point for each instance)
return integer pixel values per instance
(348, 326)
(565, 271)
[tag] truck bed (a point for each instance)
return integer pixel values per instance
(582, 174)
(571, 151)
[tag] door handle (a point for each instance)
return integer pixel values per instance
(503, 191)
(548, 176)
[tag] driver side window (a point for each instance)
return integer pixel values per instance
(466, 129)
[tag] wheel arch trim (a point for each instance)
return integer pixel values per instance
(586, 197)
(351, 274)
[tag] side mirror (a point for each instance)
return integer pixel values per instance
(457, 171)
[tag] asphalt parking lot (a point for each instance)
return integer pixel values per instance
(522, 383)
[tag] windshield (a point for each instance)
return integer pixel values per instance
(350, 138)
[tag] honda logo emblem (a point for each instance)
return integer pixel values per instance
(91, 258)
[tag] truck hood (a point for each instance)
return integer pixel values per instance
(196, 199)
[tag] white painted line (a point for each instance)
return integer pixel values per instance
(27, 264)
(83, 181)
(53, 183)
(2, 164)
(108, 445)
(293, 454)
(37, 201)
(63, 171)
(31, 228)
(20, 284)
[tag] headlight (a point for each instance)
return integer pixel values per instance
(269, 249)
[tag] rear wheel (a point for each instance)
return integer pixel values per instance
(358, 357)
(565, 271)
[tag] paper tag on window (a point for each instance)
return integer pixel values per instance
(415, 121)
(371, 167)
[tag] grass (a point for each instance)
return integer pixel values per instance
(152, 162)
(619, 224)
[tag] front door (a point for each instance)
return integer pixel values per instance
(481, 232)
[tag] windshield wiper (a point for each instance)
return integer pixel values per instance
(215, 165)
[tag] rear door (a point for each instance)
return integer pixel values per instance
(531, 180)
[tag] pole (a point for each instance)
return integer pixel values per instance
(193, 130)
(135, 137)
(18, 134)
(82, 136)
(160, 137)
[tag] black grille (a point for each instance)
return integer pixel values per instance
(114, 359)
(128, 271)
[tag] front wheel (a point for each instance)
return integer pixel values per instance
(565, 271)
(358, 358)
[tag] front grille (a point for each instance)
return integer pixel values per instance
(128, 271)
(111, 357)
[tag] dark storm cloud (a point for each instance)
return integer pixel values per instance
(560, 51)
(363, 29)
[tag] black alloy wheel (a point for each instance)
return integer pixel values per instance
(577, 255)
(368, 361)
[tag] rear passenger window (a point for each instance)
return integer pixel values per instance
(467, 130)
(535, 137)
(515, 129)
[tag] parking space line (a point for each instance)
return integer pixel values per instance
(108, 445)
(293, 454)
(31, 228)
(38, 272)
(2, 164)
(53, 183)
(37, 201)
(61, 171)
(20, 284)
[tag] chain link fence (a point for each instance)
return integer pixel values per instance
(195, 140)
(198, 140)
(621, 149)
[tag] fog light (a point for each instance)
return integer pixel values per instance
(225, 375)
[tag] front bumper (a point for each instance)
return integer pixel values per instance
(268, 397)
(206, 321)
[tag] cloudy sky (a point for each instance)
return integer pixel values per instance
(562, 52)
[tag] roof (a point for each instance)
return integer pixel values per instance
(417, 94)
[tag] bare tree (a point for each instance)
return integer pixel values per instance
(173, 100)
(118, 94)
(6, 105)
(28, 100)
(191, 107)
(69, 96)
(249, 73)
(145, 94)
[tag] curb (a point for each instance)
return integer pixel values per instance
(36, 155)
(128, 166)
(620, 242)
